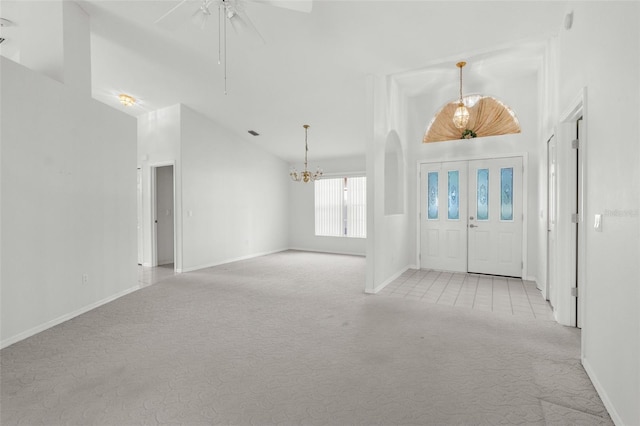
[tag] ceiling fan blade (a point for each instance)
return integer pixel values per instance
(242, 24)
(297, 5)
(178, 14)
(199, 18)
(202, 15)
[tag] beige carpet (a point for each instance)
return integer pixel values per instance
(291, 339)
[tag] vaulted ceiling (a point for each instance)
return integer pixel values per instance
(312, 67)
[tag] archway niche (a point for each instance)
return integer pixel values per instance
(393, 175)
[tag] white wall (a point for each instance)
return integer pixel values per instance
(68, 203)
(521, 95)
(231, 197)
(600, 53)
(302, 214)
(547, 97)
(159, 145)
(234, 195)
(388, 244)
(52, 38)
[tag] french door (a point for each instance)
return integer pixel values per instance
(471, 216)
(443, 230)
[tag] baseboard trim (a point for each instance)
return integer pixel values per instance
(328, 251)
(235, 259)
(389, 280)
(602, 393)
(66, 317)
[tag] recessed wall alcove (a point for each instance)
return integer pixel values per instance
(393, 173)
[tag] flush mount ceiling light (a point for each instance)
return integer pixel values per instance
(126, 100)
(471, 116)
(305, 176)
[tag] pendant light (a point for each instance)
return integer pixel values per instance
(461, 115)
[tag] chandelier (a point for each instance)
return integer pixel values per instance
(306, 175)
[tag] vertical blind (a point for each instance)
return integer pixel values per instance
(341, 207)
(356, 207)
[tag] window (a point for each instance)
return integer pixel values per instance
(341, 207)
(482, 212)
(454, 201)
(432, 207)
(506, 195)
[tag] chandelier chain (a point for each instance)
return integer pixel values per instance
(461, 114)
(460, 84)
(306, 146)
(461, 65)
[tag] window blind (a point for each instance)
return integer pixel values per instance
(329, 207)
(341, 207)
(357, 207)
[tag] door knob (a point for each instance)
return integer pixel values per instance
(473, 226)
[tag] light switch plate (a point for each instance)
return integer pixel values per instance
(597, 223)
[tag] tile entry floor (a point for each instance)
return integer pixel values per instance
(151, 275)
(510, 296)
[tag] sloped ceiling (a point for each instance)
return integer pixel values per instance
(312, 68)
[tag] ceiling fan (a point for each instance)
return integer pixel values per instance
(231, 11)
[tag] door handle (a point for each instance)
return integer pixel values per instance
(473, 226)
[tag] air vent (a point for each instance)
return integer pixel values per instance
(254, 133)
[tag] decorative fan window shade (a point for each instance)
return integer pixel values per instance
(487, 117)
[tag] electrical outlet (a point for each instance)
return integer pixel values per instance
(85, 278)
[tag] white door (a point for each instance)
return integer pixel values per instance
(495, 216)
(443, 218)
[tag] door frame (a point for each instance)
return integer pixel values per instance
(525, 197)
(551, 216)
(140, 216)
(153, 212)
(566, 312)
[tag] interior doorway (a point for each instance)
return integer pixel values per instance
(471, 216)
(578, 229)
(551, 221)
(140, 221)
(163, 214)
(566, 259)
